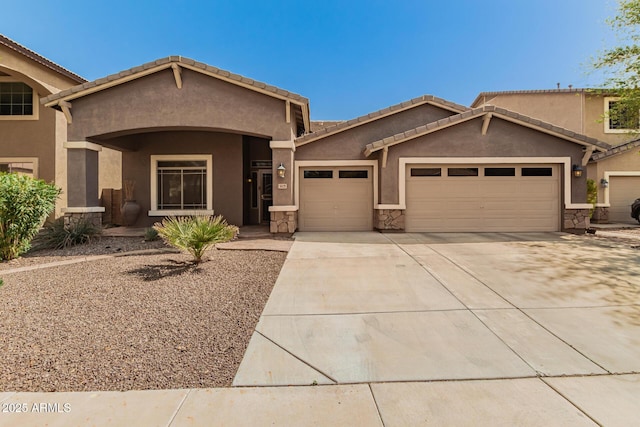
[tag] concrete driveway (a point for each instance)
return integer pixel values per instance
(557, 314)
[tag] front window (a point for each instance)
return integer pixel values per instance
(619, 119)
(181, 184)
(25, 166)
(16, 99)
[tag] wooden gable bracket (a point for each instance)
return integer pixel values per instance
(65, 106)
(587, 155)
(177, 74)
(385, 153)
(287, 111)
(485, 123)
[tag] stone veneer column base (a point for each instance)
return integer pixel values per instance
(95, 218)
(600, 215)
(389, 219)
(576, 221)
(283, 222)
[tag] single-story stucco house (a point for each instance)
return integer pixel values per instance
(198, 139)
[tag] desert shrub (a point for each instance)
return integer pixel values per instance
(25, 203)
(1, 282)
(592, 194)
(56, 235)
(151, 235)
(195, 234)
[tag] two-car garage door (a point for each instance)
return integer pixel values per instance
(336, 199)
(468, 198)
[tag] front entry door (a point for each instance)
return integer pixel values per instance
(265, 195)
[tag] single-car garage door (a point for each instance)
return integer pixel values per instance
(336, 199)
(623, 190)
(501, 197)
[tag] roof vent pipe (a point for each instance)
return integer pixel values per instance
(558, 85)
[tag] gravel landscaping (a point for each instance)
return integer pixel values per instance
(142, 321)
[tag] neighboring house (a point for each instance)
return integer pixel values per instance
(197, 139)
(585, 111)
(32, 137)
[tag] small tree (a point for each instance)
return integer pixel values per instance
(622, 65)
(195, 234)
(25, 203)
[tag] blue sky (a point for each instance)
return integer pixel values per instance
(348, 57)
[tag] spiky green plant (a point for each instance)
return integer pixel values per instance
(57, 235)
(195, 234)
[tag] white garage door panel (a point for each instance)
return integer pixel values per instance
(623, 190)
(336, 204)
(483, 203)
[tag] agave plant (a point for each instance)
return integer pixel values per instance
(195, 234)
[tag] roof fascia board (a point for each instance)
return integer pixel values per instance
(107, 85)
(380, 116)
(369, 150)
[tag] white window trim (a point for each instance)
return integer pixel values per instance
(607, 100)
(36, 101)
(154, 184)
(33, 160)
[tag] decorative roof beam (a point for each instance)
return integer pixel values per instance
(485, 123)
(287, 111)
(587, 155)
(177, 74)
(385, 153)
(65, 106)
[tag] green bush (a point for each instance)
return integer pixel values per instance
(592, 194)
(25, 203)
(56, 236)
(151, 235)
(195, 234)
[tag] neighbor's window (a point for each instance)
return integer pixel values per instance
(181, 184)
(16, 99)
(21, 168)
(619, 119)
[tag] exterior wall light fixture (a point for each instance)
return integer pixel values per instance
(281, 170)
(604, 183)
(577, 171)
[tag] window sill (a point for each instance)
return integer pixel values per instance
(19, 118)
(180, 212)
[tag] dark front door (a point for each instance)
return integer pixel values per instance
(265, 188)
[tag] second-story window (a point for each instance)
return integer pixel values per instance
(619, 119)
(16, 99)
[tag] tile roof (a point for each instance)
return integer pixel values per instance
(13, 45)
(340, 127)
(77, 91)
(478, 112)
(619, 149)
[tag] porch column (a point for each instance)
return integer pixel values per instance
(283, 213)
(82, 182)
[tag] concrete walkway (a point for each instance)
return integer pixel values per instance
(414, 329)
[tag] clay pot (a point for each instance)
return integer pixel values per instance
(130, 211)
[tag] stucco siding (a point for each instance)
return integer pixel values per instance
(504, 139)
(154, 101)
(561, 109)
(350, 144)
(227, 168)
